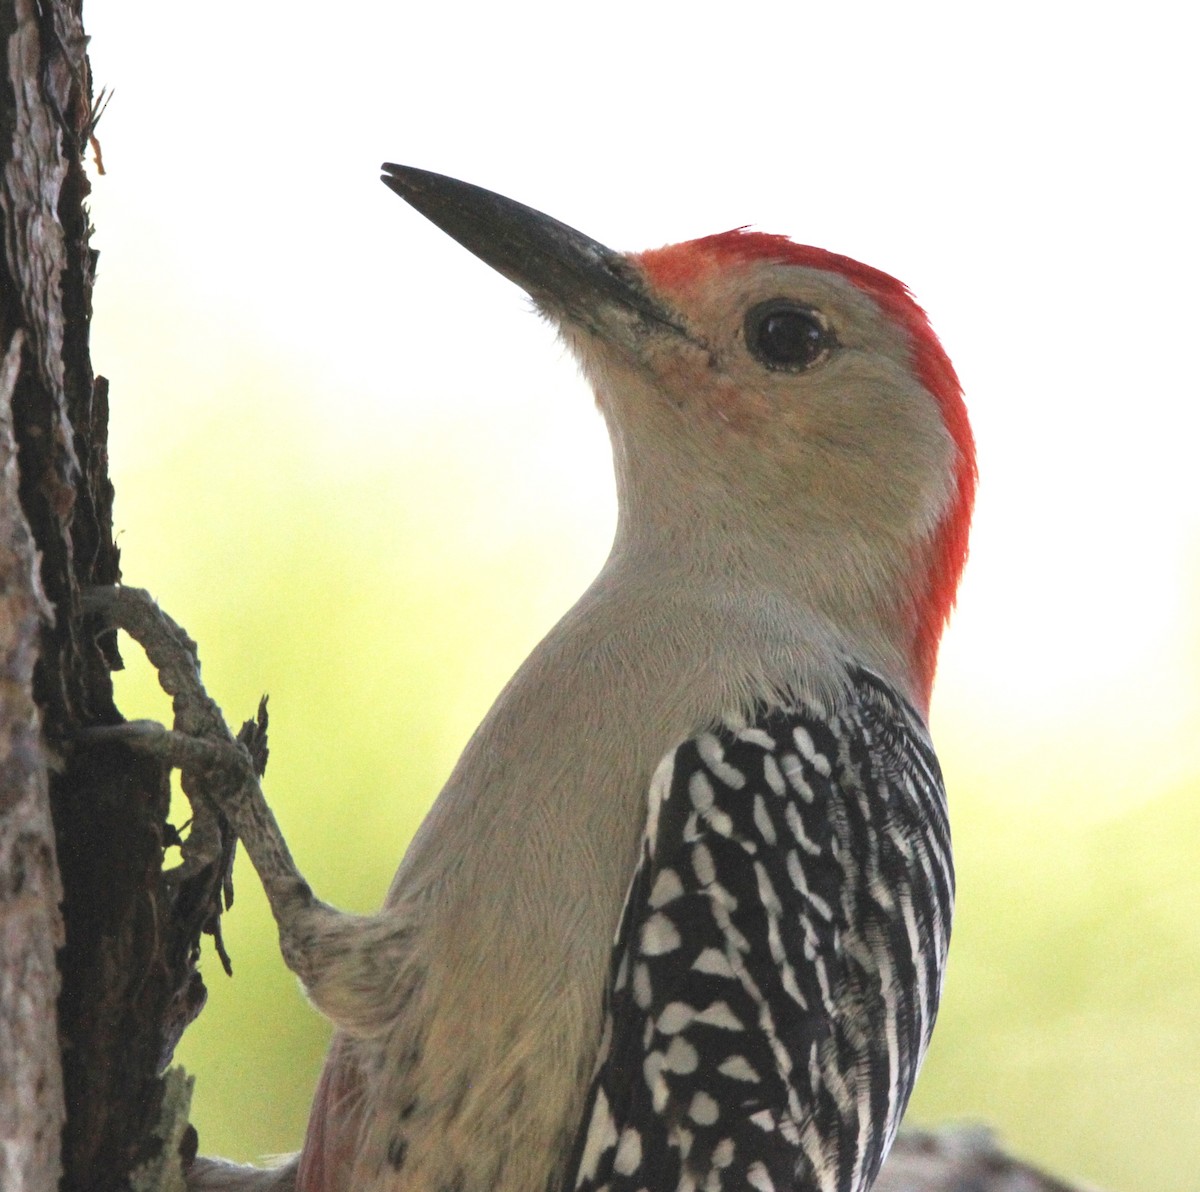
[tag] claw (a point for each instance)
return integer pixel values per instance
(219, 772)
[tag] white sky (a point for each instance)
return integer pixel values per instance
(1029, 170)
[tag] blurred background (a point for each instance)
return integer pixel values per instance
(367, 479)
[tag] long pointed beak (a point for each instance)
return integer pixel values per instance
(565, 272)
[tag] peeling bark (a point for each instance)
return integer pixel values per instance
(85, 1040)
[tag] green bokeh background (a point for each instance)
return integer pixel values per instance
(380, 588)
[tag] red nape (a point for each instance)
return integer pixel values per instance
(679, 266)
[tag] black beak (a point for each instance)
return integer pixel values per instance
(565, 272)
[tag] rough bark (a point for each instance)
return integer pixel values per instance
(31, 1104)
(964, 1159)
(127, 940)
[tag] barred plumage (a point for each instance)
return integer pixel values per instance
(795, 473)
(777, 969)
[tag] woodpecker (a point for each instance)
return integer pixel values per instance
(679, 918)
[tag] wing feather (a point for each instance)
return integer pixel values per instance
(776, 971)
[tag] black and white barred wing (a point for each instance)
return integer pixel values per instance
(777, 969)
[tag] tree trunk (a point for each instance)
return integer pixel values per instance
(84, 1041)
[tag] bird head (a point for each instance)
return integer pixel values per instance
(782, 417)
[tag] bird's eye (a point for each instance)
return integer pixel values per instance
(786, 335)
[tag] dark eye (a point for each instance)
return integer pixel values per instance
(785, 335)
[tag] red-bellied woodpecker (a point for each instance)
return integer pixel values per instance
(679, 918)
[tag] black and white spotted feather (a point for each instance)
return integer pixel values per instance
(777, 969)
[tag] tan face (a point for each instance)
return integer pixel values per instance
(790, 378)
